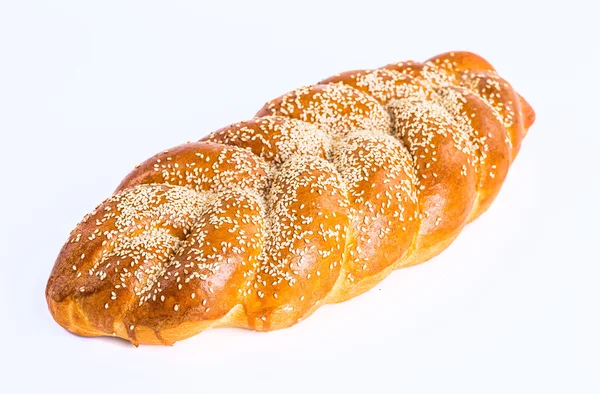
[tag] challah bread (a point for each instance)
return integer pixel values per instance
(315, 200)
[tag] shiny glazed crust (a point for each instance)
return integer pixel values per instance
(314, 201)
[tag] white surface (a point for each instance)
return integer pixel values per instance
(89, 90)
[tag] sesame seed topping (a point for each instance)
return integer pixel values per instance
(328, 186)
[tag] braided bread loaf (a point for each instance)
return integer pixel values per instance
(314, 201)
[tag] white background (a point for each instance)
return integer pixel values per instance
(89, 89)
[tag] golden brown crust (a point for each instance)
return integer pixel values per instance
(383, 84)
(314, 201)
(202, 166)
(274, 138)
(336, 108)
